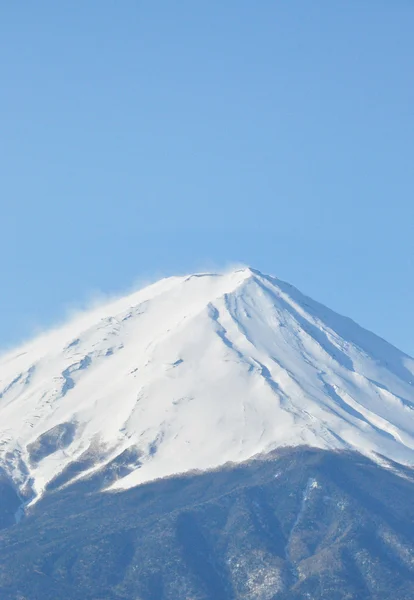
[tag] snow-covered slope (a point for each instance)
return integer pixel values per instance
(193, 372)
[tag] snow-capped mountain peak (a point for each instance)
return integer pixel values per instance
(193, 372)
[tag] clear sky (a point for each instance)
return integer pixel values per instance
(141, 139)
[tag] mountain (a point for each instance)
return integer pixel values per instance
(210, 436)
(194, 372)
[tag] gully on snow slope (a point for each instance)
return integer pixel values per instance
(194, 372)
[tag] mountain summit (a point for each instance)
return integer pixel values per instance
(193, 372)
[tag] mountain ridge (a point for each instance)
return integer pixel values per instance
(193, 372)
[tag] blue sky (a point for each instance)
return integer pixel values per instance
(142, 139)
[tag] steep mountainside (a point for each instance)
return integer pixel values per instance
(211, 437)
(191, 373)
(302, 524)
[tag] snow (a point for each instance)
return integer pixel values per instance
(198, 371)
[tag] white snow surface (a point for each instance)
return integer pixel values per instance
(197, 371)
